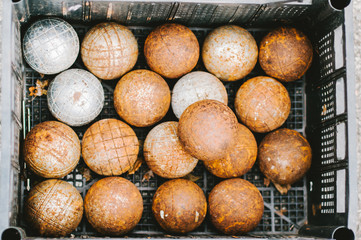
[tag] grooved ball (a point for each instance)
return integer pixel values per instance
(109, 50)
(110, 147)
(171, 50)
(235, 206)
(179, 206)
(285, 53)
(229, 52)
(51, 149)
(262, 104)
(54, 208)
(113, 206)
(165, 155)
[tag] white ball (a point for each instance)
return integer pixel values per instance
(50, 45)
(196, 86)
(75, 97)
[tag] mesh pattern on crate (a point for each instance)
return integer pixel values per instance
(328, 183)
(279, 13)
(326, 54)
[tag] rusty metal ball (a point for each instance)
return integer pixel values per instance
(110, 147)
(196, 86)
(235, 206)
(179, 206)
(109, 50)
(51, 149)
(165, 155)
(54, 208)
(230, 52)
(113, 206)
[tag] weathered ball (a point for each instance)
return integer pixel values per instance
(50, 45)
(109, 50)
(235, 206)
(284, 156)
(208, 130)
(53, 208)
(110, 147)
(285, 53)
(171, 50)
(165, 155)
(241, 158)
(51, 149)
(75, 97)
(262, 104)
(179, 206)
(142, 98)
(229, 52)
(196, 86)
(113, 206)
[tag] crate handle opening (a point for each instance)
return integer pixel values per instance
(343, 233)
(339, 4)
(13, 233)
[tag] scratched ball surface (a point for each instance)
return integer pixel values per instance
(229, 52)
(110, 147)
(285, 53)
(284, 156)
(51, 149)
(113, 206)
(75, 97)
(165, 155)
(54, 208)
(262, 104)
(109, 50)
(171, 50)
(235, 206)
(179, 206)
(241, 158)
(196, 86)
(50, 45)
(142, 98)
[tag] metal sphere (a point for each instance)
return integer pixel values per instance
(50, 45)
(75, 97)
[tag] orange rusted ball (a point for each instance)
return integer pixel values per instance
(179, 206)
(54, 208)
(113, 206)
(109, 50)
(208, 130)
(171, 50)
(262, 104)
(52, 149)
(284, 156)
(241, 158)
(110, 147)
(285, 53)
(142, 98)
(165, 155)
(235, 206)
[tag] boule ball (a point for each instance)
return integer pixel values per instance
(285, 53)
(208, 130)
(113, 206)
(262, 104)
(171, 50)
(141, 98)
(51, 149)
(109, 50)
(235, 206)
(241, 158)
(50, 45)
(196, 86)
(284, 156)
(179, 206)
(110, 147)
(53, 208)
(165, 155)
(230, 52)
(75, 97)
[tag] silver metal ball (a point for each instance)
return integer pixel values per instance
(50, 45)
(75, 97)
